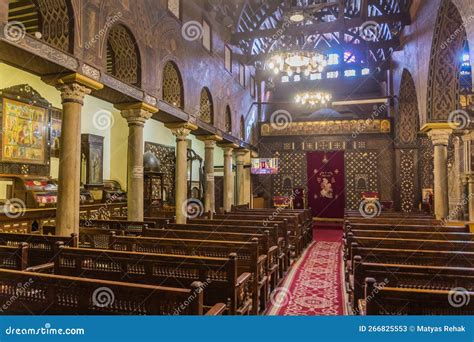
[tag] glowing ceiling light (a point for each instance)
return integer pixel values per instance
(313, 98)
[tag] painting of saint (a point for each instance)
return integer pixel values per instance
(326, 189)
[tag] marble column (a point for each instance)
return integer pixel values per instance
(439, 135)
(136, 115)
(240, 175)
(228, 176)
(74, 88)
(181, 132)
(209, 185)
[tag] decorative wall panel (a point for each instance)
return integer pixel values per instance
(361, 175)
(425, 165)
(292, 166)
(407, 179)
(444, 72)
(167, 157)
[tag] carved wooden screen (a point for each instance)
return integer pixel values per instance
(206, 108)
(49, 20)
(123, 60)
(172, 86)
(408, 120)
(445, 63)
(228, 120)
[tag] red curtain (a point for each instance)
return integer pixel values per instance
(326, 195)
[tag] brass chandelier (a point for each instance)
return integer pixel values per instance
(297, 63)
(313, 98)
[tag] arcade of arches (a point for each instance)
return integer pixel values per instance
(318, 140)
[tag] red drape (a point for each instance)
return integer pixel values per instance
(326, 184)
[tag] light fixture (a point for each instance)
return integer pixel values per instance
(297, 16)
(302, 62)
(313, 98)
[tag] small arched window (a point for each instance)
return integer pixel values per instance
(228, 120)
(206, 107)
(173, 86)
(123, 57)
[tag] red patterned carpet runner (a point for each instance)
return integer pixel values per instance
(314, 284)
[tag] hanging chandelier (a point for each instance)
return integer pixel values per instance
(313, 98)
(296, 63)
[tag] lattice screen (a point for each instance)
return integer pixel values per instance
(50, 18)
(292, 173)
(206, 108)
(172, 86)
(360, 167)
(166, 155)
(123, 60)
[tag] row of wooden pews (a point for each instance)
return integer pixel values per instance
(408, 264)
(205, 267)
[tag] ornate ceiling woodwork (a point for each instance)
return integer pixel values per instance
(367, 28)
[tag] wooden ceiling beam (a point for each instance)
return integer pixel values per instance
(330, 27)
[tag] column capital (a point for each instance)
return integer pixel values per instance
(241, 152)
(136, 113)
(181, 130)
(73, 87)
(226, 145)
(210, 138)
(440, 137)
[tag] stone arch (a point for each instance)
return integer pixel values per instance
(444, 70)
(206, 106)
(49, 20)
(228, 120)
(172, 85)
(407, 160)
(408, 115)
(123, 55)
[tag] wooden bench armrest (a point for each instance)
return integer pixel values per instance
(361, 306)
(273, 253)
(243, 288)
(41, 268)
(217, 310)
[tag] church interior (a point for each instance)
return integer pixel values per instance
(236, 157)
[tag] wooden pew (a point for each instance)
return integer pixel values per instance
(247, 254)
(41, 248)
(221, 281)
(129, 227)
(250, 226)
(15, 258)
(264, 247)
(415, 244)
(409, 276)
(275, 232)
(304, 220)
(403, 301)
(46, 294)
(406, 227)
(433, 235)
(298, 240)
